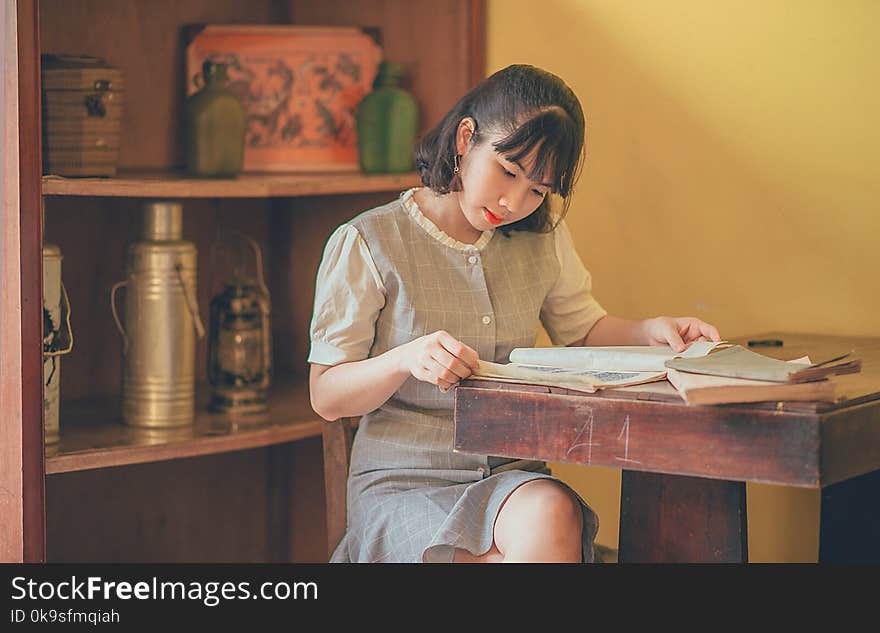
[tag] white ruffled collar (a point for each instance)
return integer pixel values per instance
(434, 231)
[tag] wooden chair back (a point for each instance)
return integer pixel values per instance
(338, 437)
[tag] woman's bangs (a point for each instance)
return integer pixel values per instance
(555, 138)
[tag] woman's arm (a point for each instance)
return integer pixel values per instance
(612, 330)
(351, 389)
(358, 387)
(673, 331)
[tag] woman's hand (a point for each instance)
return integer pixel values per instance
(439, 359)
(677, 332)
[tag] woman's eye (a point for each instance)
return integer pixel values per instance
(510, 174)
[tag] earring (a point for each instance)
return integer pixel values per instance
(457, 162)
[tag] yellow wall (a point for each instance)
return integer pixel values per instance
(733, 173)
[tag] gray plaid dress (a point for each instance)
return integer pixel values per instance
(411, 498)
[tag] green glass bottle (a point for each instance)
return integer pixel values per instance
(215, 126)
(387, 121)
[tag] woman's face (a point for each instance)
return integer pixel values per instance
(496, 191)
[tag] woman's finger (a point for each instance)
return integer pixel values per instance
(674, 338)
(451, 364)
(444, 386)
(440, 376)
(688, 328)
(458, 349)
(676, 343)
(692, 329)
(710, 331)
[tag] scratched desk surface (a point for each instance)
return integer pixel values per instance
(649, 428)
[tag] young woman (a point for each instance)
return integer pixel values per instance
(411, 294)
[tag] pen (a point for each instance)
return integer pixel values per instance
(766, 342)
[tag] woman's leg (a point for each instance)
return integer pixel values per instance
(540, 521)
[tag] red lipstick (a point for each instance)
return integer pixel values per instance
(493, 219)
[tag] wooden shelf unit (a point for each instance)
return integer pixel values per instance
(217, 491)
(94, 435)
(171, 184)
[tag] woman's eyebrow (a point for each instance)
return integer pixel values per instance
(542, 184)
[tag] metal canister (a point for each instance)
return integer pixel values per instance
(56, 319)
(161, 322)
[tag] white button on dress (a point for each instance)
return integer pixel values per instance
(487, 320)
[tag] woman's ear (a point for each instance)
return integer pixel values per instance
(467, 128)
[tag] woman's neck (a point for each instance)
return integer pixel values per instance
(445, 212)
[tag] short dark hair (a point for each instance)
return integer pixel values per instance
(533, 109)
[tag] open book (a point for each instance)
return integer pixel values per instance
(588, 368)
(704, 389)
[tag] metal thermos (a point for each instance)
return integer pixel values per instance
(56, 319)
(161, 322)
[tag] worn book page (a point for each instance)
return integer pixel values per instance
(588, 380)
(630, 358)
(739, 362)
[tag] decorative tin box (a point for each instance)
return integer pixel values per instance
(82, 115)
(300, 86)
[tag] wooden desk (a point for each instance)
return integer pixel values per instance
(683, 496)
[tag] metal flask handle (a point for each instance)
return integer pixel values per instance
(116, 287)
(190, 302)
(66, 310)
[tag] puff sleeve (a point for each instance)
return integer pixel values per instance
(349, 294)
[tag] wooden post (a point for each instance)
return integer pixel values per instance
(668, 518)
(22, 517)
(11, 511)
(849, 530)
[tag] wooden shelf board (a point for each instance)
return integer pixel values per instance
(93, 435)
(170, 184)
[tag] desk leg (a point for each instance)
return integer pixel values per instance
(849, 531)
(669, 518)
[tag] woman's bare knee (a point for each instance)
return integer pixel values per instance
(540, 519)
(543, 500)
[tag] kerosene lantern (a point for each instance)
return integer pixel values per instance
(239, 345)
